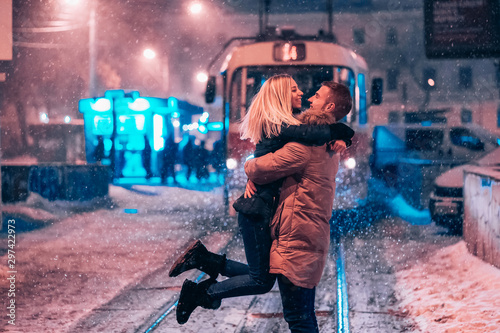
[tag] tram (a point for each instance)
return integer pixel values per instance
(310, 60)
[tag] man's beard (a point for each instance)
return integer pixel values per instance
(322, 109)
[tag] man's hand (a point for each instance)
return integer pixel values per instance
(338, 146)
(250, 189)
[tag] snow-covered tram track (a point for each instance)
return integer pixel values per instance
(170, 307)
(342, 295)
(264, 312)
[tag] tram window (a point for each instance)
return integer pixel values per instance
(363, 114)
(308, 78)
(235, 97)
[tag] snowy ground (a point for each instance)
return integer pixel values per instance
(82, 259)
(84, 256)
(451, 291)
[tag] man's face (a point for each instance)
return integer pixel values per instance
(318, 101)
(296, 96)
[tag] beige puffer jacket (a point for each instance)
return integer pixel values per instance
(300, 228)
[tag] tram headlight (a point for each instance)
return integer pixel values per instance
(350, 163)
(231, 163)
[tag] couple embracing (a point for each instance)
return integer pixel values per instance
(285, 211)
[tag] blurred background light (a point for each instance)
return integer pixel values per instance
(202, 77)
(149, 54)
(195, 7)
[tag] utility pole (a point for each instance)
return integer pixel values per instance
(264, 8)
(329, 9)
(5, 55)
(92, 48)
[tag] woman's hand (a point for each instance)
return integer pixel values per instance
(250, 189)
(338, 146)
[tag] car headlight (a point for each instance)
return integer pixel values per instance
(231, 163)
(350, 163)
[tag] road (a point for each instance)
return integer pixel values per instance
(105, 269)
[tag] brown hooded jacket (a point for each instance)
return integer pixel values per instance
(299, 229)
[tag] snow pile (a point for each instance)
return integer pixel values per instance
(451, 291)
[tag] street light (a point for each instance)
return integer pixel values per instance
(195, 7)
(202, 77)
(149, 54)
(71, 2)
(75, 7)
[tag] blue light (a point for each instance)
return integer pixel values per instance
(140, 104)
(215, 126)
(173, 102)
(158, 141)
(204, 118)
(176, 114)
(139, 122)
(130, 211)
(427, 123)
(101, 105)
(108, 144)
(202, 129)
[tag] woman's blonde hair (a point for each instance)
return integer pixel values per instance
(271, 108)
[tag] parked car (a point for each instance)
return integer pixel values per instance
(446, 200)
(409, 157)
(451, 145)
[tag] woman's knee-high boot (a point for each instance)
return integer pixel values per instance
(194, 295)
(197, 256)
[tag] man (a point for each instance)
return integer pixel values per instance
(300, 230)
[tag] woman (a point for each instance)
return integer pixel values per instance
(270, 124)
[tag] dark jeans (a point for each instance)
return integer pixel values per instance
(298, 307)
(254, 278)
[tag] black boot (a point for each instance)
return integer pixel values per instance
(197, 256)
(194, 295)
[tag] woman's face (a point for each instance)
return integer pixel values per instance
(296, 96)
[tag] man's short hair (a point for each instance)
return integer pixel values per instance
(341, 96)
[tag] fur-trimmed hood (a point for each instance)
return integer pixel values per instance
(317, 117)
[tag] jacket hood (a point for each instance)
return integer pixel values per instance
(317, 117)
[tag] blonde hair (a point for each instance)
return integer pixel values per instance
(271, 108)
